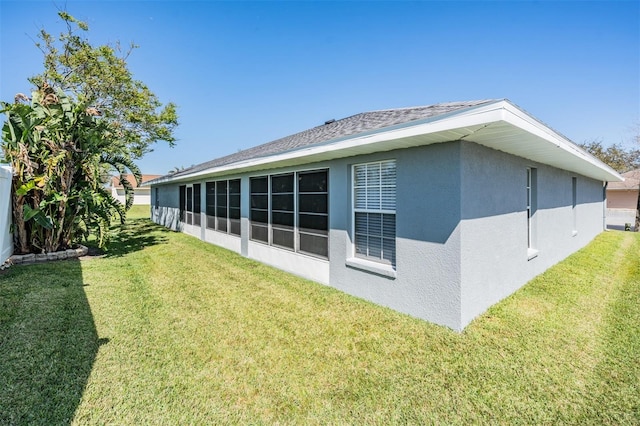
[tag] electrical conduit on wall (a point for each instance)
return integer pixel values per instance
(6, 242)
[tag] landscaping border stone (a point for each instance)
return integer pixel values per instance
(26, 259)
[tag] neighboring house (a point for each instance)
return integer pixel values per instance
(141, 194)
(437, 211)
(622, 201)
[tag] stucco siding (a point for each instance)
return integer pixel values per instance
(495, 258)
(164, 206)
(427, 281)
(461, 229)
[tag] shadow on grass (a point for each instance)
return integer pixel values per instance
(135, 235)
(48, 343)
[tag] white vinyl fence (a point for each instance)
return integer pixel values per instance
(6, 242)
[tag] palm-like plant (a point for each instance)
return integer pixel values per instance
(58, 149)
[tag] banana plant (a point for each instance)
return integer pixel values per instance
(59, 149)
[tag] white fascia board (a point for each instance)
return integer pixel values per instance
(524, 121)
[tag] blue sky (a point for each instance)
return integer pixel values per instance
(245, 73)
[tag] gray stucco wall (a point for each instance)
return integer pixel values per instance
(461, 229)
(427, 282)
(167, 198)
(494, 256)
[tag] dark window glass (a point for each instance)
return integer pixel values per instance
(234, 186)
(260, 216)
(313, 223)
(196, 198)
(260, 233)
(279, 218)
(282, 238)
(282, 202)
(314, 244)
(234, 200)
(282, 183)
(197, 207)
(259, 211)
(234, 226)
(182, 191)
(260, 202)
(222, 224)
(189, 198)
(259, 185)
(312, 203)
(211, 222)
(210, 202)
(234, 213)
(312, 181)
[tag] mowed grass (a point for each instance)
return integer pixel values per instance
(166, 329)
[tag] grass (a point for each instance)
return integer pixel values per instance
(165, 329)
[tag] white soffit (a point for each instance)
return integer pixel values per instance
(498, 125)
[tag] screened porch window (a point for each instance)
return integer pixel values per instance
(223, 206)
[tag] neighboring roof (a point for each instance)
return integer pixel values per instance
(631, 182)
(495, 123)
(115, 180)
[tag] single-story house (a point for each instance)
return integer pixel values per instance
(622, 200)
(141, 194)
(437, 211)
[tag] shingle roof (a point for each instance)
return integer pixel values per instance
(332, 130)
(631, 182)
(115, 180)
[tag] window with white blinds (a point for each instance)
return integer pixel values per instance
(374, 210)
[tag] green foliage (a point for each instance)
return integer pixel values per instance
(58, 149)
(616, 156)
(88, 118)
(99, 77)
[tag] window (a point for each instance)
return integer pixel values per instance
(234, 206)
(282, 211)
(223, 206)
(189, 200)
(210, 189)
(532, 200)
(259, 211)
(374, 208)
(196, 204)
(290, 211)
(182, 202)
(156, 201)
(313, 212)
(189, 206)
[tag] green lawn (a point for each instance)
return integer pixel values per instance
(165, 329)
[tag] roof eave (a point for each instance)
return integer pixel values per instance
(480, 124)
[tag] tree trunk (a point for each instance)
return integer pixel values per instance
(21, 240)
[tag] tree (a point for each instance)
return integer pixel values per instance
(99, 77)
(616, 156)
(87, 118)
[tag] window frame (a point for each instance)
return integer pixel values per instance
(383, 212)
(216, 222)
(295, 212)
